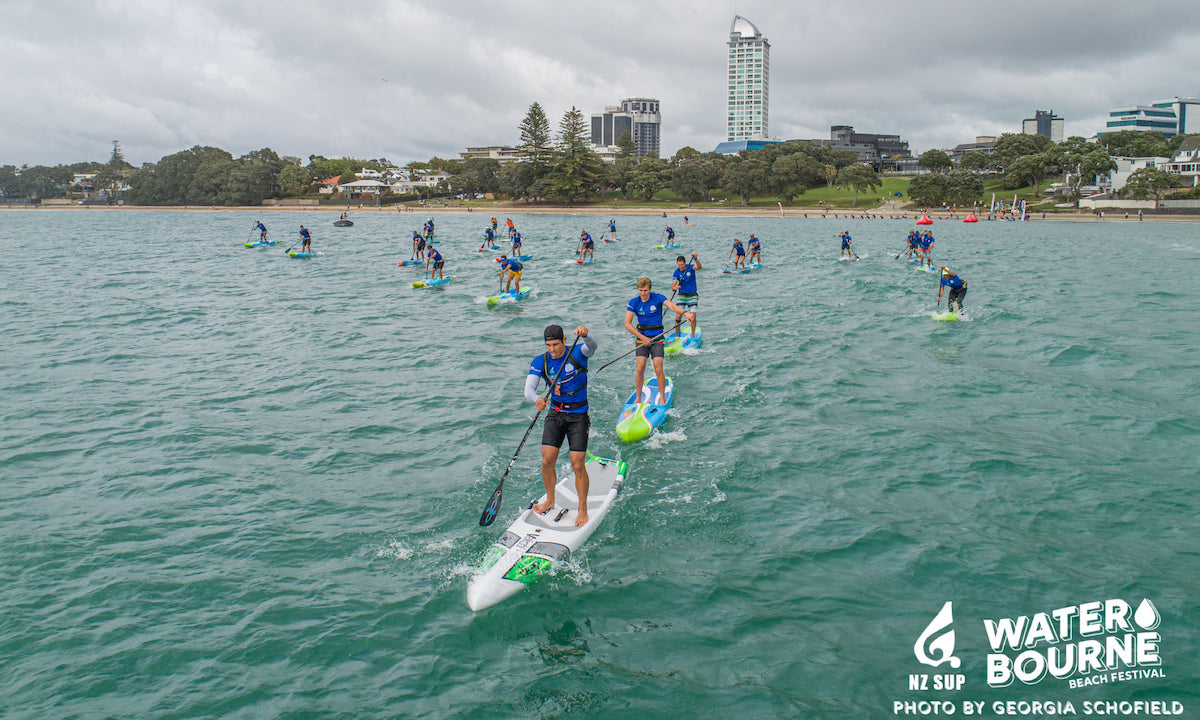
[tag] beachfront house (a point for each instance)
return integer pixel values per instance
(329, 186)
(1186, 162)
(1126, 166)
(359, 188)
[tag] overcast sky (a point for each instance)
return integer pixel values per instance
(409, 80)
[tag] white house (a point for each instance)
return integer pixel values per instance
(1186, 162)
(1126, 166)
(358, 188)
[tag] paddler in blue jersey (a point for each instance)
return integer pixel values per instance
(568, 416)
(434, 261)
(489, 237)
(740, 252)
(647, 309)
(754, 246)
(587, 247)
(305, 240)
(418, 246)
(612, 228)
(926, 249)
(262, 230)
(516, 244)
(914, 242)
(670, 231)
(958, 289)
(510, 272)
(683, 282)
(846, 252)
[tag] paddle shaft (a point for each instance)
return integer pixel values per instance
(493, 503)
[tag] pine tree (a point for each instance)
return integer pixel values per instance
(578, 168)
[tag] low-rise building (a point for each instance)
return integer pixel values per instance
(1186, 162)
(1126, 166)
(502, 154)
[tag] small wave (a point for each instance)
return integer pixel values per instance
(394, 550)
(659, 439)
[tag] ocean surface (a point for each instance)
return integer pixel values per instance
(239, 485)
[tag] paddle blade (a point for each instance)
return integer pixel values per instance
(492, 507)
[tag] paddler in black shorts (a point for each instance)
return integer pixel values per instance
(568, 416)
(647, 309)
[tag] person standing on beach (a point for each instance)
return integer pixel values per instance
(683, 282)
(647, 309)
(740, 253)
(305, 240)
(958, 289)
(566, 375)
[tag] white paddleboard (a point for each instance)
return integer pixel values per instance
(534, 543)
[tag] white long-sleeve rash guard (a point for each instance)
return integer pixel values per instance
(531, 382)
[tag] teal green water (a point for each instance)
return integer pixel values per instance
(237, 485)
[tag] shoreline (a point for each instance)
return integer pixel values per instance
(878, 213)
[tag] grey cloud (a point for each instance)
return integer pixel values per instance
(409, 79)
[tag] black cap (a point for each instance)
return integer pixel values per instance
(553, 332)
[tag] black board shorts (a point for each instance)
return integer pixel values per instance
(572, 426)
(653, 350)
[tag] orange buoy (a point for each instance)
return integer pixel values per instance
(925, 220)
(970, 218)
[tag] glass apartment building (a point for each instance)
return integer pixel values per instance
(749, 81)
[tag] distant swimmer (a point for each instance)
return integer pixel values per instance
(647, 309)
(958, 289)
(434, 262)
(754, 246)
(684, 283)
(566, 376)
(262, 230)
(510, 272)
(305, 240)
(738, 253)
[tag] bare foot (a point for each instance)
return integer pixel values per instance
(543, 507)
(581, 517)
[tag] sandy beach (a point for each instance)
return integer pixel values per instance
(887, 212)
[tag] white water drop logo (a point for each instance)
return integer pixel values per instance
(939, 641)
(1147, 615)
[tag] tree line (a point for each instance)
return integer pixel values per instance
(565, 168)
(1026, 160)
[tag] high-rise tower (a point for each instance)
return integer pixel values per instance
(749, 81)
